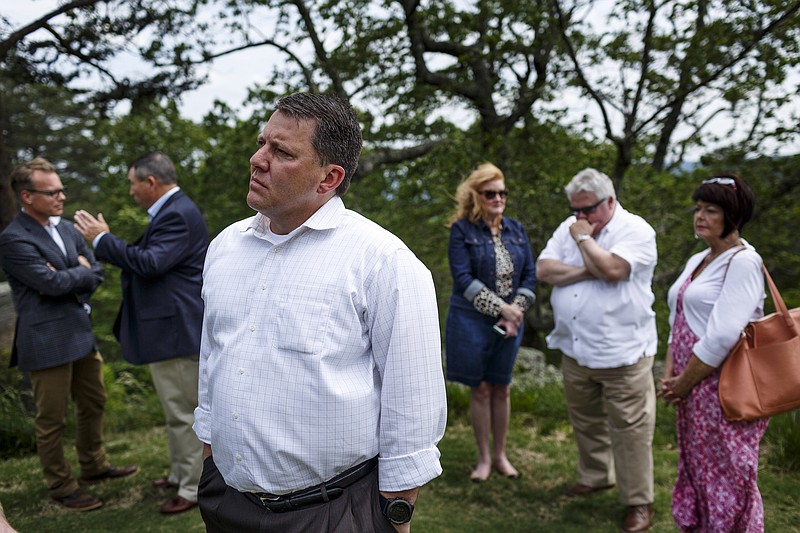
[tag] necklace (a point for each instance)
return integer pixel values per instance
(710, 257)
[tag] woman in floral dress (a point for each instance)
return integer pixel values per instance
(720, 290)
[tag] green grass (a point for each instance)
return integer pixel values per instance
(131, 504)
(450, 503)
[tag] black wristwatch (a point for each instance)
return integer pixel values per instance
(397, 510)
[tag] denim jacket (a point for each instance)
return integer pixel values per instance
(473, 262)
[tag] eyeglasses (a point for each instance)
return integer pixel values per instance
(588, 210)
(489, 195)
(722, 181)
(51, 194)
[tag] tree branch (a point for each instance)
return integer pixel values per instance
(12, 40)
(387, 156)
(319, 49)
(758, 36)
(582, 79)
(69, 50)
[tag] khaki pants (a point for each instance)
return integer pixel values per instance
(176, 384)
(52, 387)
(613, 412)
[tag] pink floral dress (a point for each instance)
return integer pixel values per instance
(716, 488)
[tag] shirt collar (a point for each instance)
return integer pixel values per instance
(54, 221)
(158, 204)
(326, 217)
(616, 218)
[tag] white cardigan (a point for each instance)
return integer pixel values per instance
(718, 307)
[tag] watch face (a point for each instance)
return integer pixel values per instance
(399, 511)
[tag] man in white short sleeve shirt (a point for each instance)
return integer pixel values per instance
(600, 262)
(321, 397)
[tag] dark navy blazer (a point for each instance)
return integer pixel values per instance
(162, 273)
(53, 327)
(473, 262)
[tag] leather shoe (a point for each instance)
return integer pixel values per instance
(113, 472)
(164, 483)
(178, 504)
(638, 519)
(78, 500)
(582, 490)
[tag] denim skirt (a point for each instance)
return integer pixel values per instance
(474, 352)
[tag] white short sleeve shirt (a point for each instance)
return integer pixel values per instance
(602, 324)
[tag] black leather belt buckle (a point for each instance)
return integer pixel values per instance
(319, 494)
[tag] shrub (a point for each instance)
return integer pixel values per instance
(536, 391)
(132, 400)
(16, 432)
(132, 404)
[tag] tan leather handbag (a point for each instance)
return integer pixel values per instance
(761, 376)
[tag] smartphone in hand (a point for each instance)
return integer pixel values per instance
(500, 330)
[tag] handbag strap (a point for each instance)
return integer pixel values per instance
(777, 299)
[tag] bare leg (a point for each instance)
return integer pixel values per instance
(480, 409)
(501, 412)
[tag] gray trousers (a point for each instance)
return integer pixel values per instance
(226, 510)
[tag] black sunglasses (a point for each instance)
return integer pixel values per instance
(588, 210)
(489, 195)
(51, 194)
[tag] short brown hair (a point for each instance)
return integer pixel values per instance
(337, 134)
(736, 199)
(21, 175)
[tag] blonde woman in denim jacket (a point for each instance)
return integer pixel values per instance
(493, 282)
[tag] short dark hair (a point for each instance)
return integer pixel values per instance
(736, 199)
(154, 164)
(21, 176)
(337, 134)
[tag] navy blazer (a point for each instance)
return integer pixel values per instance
(161, 315)
(473, 262)
(53, 327)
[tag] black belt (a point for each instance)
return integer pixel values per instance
(330, 490)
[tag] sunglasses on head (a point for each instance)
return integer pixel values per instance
(588, 210)
(721, 181)
(489, 195)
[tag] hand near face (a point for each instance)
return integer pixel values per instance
(89, 226)
(581, 227)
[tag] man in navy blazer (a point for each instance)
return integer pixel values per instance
(161, 316)
(52, 275)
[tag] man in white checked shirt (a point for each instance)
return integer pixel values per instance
(321, 391)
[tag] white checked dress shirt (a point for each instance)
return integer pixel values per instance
(318, 353)
(598, 323)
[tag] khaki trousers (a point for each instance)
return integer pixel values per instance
(613, 413)
(52, 388)
(176, 384)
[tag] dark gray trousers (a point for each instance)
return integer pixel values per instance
(226, 510)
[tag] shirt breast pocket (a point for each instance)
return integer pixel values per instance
(475, 247)
(303, 315)
(516, 247)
